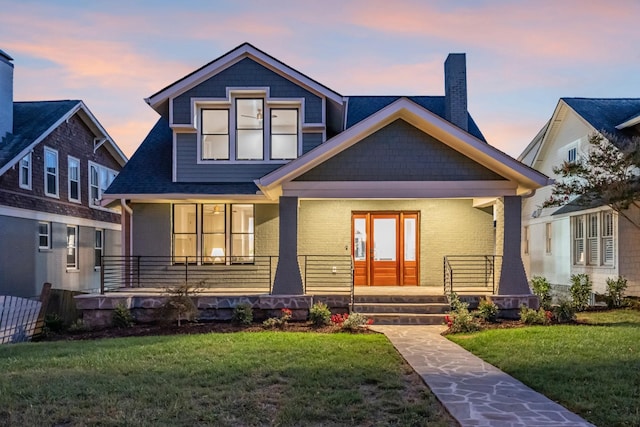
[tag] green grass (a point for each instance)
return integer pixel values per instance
(593, 370)
(251, 379)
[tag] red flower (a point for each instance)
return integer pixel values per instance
(448, 320)
(286, 312)
(369, 321)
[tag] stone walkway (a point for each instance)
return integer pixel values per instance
(473, 391)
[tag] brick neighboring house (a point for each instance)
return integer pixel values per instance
(56, 160)
(252, 158)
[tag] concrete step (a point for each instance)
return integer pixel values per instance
(398, 299)
(406, 319)
(415, 308)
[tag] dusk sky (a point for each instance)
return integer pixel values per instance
(521, 55)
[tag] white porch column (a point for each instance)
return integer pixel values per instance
(288, 280)
(513, 279)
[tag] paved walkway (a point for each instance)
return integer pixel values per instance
(473, 391)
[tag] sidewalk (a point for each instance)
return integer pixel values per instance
(473, 391)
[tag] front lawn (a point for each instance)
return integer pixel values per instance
(593, 370)
(250, 379)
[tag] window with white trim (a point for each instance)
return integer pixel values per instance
(213, 233)
(73, 167)
(44, 235)
(547, 238)
(284, 133)
(594, 239)
(607, 239)
(249, 129)
(572, 155)
(525, 236)
(100, 178)
(51, 172)
(72, 247)
(25, 172)
(578, 240)
(215, 134)
(98, 247)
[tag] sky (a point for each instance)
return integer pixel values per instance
(522, 56)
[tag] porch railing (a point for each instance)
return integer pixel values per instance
(255, 274)
(471, 273)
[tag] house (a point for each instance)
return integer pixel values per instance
(56, 160)
(252, 160)
(560, 242)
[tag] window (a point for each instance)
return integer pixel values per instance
(578, 240)
(249, 129)
(50, 172)
(215, 134)
(98, 248)
(547, 237)
(100, 178)
(607, 238)
(595, 245)
(44, 235)
(72, 247)
(572, 154)
(526, 239)
(213, 233)
(25, 172)
(284, 133)
(74, 179)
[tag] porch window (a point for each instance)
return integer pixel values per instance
(607, 238)
(242, 233)
(72, 247)
(284, 133)
(213, 232)
(578, 240)
(25, 172)
(184, 233)
(249, 129)
(215, 134)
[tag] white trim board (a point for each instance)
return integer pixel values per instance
(62, 219)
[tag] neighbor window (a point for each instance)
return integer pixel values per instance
(607, 238)
(213, 233)
(578, 240)
(547, 237)
(98, 248)
(100, 178)
(284, 133)
(572, 155)
(44, 235)
(74, 179)
(593, 241)
(50, 172)
(25, 172)
(215, 134)
(72, 247)
(525, 236)
(249, 129)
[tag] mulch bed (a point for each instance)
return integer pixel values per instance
(141, 330)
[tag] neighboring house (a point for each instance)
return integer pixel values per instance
(56, 160)
(251, 158)
(559, 242)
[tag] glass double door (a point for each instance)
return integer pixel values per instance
(385, 248)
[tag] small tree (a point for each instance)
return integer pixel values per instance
(179, 304)
(542, 288)
(607, 175)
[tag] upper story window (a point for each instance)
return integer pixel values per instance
(73, 165)
(25, 172)
(50, 172)
(100, 178)
(572, 155)
(249, 129)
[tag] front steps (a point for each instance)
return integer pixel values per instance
(403, 309)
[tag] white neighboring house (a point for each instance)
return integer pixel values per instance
(573, 239)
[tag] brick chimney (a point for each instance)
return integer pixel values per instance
(455, 90)
(6, 95)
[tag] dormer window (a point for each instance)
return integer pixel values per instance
(249, 128)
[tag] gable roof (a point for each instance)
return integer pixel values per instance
(423, 119)
(605, 114)
(33, 121)
(245, 50)
(148, 173)
(361, 107)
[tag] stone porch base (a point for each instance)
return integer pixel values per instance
(509, 305)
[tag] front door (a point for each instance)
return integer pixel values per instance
(385, 248)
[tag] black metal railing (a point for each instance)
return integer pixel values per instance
(470, 273)
(320, 273)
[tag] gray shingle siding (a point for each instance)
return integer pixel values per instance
(188, 170)
(399, 152)
(247, 73)
(310, 141)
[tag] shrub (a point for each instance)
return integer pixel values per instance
(542, 289)
(632, 302)
(319, 314)
(180, 305)
(564, 312)
(487, 310)
(356, 321)
(614, 296)
(53, 323)
(460, 319)
(78, 326)
(529, 316)
(242, 314)
(580, 291)
(281, 321)
(122, 317)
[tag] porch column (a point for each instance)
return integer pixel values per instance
(288, 280)
(513, 279)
